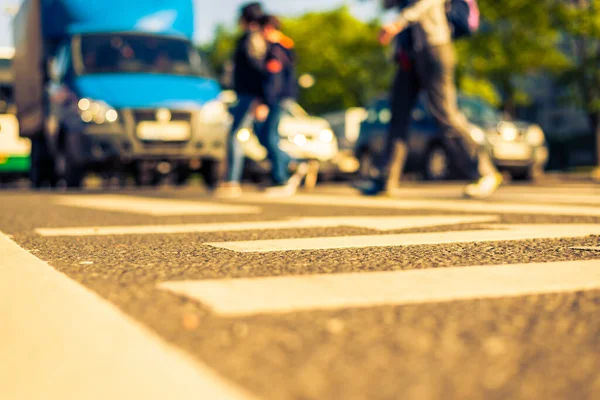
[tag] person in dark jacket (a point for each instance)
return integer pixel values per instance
(434, 63)
(248, 83)
(278, 86)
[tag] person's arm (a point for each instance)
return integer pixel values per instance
(408, 15)
(413, 12)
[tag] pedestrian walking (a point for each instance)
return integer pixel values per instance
(248, 84)
(431, 66)
(279, 86)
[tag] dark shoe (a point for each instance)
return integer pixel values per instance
(371, 187)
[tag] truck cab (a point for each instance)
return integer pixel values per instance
(124, 90)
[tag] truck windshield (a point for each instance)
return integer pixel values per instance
(115, 53)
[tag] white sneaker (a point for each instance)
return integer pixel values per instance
(299, 174)
(228, 190)
(287, 190)
(484, 187)
(292, 185)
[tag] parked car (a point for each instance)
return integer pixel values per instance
(346, 127)
(303, 137)
(516, 147)
(14, 151)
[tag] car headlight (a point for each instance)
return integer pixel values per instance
(243, 135)
(299, 140)
(214, 112)
(478, 135)
(535, 135)
(508, 131)
(95, 111)
(326, 136)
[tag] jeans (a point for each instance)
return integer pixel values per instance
(268, 136)
(235, 153)
(433, 73)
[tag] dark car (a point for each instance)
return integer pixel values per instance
(516, 147)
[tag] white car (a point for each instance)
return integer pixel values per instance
(303, 137)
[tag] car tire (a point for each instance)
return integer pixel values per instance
(523, 175)
(211, 171)
(146, 176)
(182, 176)
(42, 169)
(437, 164)
(67, 169)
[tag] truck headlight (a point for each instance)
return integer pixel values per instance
(535, 136)
(95, 111)
(326, 136)
(478, 135)
(214, 112)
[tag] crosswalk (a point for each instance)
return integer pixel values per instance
(150, 206)
(483, 220)
(489, 233)
(59, 339)
(243, 297)
(535, 205)
(320, 225)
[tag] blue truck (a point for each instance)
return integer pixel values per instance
(115, 86)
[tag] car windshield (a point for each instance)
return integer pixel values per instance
(7, 102)
(478, 111)
(116, 53)
(295, 110)
(5, 71)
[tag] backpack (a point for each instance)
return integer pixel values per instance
(463, 16)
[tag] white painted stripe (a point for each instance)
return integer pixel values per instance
(496, 234)
(148, 206)
(59, 340)
(376, 223)
(243, 297)
(506, 193)
(521, 197)
(470, 206)
(590, 248)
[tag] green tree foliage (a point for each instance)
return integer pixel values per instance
(517, 38)
(579, 21)
(343, 55)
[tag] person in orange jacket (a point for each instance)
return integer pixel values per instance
(278, 85)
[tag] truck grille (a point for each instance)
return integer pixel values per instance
(150, 115)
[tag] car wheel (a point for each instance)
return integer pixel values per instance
(182, 176)
(42, 164)
(523, 175)
(437, 165)
(68, 170)
(211, 171)
(145, 176)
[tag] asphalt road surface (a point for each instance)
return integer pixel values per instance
(171, 294)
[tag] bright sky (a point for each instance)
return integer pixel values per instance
(210, 13)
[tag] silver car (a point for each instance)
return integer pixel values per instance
(517, 147)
